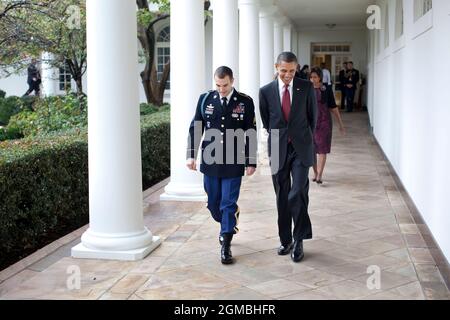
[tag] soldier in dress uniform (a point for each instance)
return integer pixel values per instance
(227, 117)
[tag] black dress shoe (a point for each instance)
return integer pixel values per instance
(285, 249)
(297, 253)
(225, 252)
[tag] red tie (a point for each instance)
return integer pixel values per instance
(286, 103)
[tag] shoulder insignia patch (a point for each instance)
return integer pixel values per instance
(244, 95)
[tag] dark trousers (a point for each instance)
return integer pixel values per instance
(33, 86)
(291, 185)
(350, 97)
(223, 194)
(343, 97)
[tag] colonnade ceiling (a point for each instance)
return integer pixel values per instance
(320, 13)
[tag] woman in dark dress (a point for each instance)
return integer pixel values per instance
(324, 128)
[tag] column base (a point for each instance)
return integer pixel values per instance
(183, 192)
(82, 252)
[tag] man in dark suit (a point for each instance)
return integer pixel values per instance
(350, 83)
(288, 110)
(341, 84)
(34, 78)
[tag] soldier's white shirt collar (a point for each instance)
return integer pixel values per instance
(228, 96)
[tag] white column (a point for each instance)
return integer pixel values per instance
(294, 42)
(278, 37)
(266, 44)
(287, 45)
(226, 36)
(49, 75)
(249, 48)
(187, 59)
(249, 58)
(116, 227)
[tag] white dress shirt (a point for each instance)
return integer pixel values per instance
(326, 76)
(281, 86)
(228, 97)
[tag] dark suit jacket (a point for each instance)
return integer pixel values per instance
(301, 124)
(341, 80)
(352, 77)
(239, 117)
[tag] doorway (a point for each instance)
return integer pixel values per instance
(333, 55)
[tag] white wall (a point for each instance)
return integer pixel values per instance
(409, 110)
(15, 85)
(357, 38)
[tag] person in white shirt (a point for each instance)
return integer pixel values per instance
(326, 75)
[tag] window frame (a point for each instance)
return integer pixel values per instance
(67, 78)
(164, 45)
(423, 20)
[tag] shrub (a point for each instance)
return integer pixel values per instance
(9, 107)
(147, 108)
(44, 184)
(51, 114)
(2, 93)
(155, 140)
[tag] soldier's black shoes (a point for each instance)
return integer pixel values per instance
(225, 252)
(285, 249)
(297, 253)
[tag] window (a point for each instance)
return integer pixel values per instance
(65, 78)
(422, 7)
(164, 35)
(163, 52)
(386, 27)
(330, 48)
(399, 19)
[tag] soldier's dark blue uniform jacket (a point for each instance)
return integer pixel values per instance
(239, 115)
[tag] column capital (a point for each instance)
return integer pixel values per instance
(280, 20)
(267, 11)
(249, 3)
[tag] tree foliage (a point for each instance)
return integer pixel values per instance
(154, 88)
(30, 27)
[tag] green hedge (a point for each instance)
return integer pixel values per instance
(44, 184)
(42, 116)
(9, 107)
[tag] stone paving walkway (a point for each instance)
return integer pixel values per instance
(359, 220)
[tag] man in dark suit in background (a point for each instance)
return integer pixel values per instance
(289, 113)
(350, 84)
(34, 78)
(341, 84)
